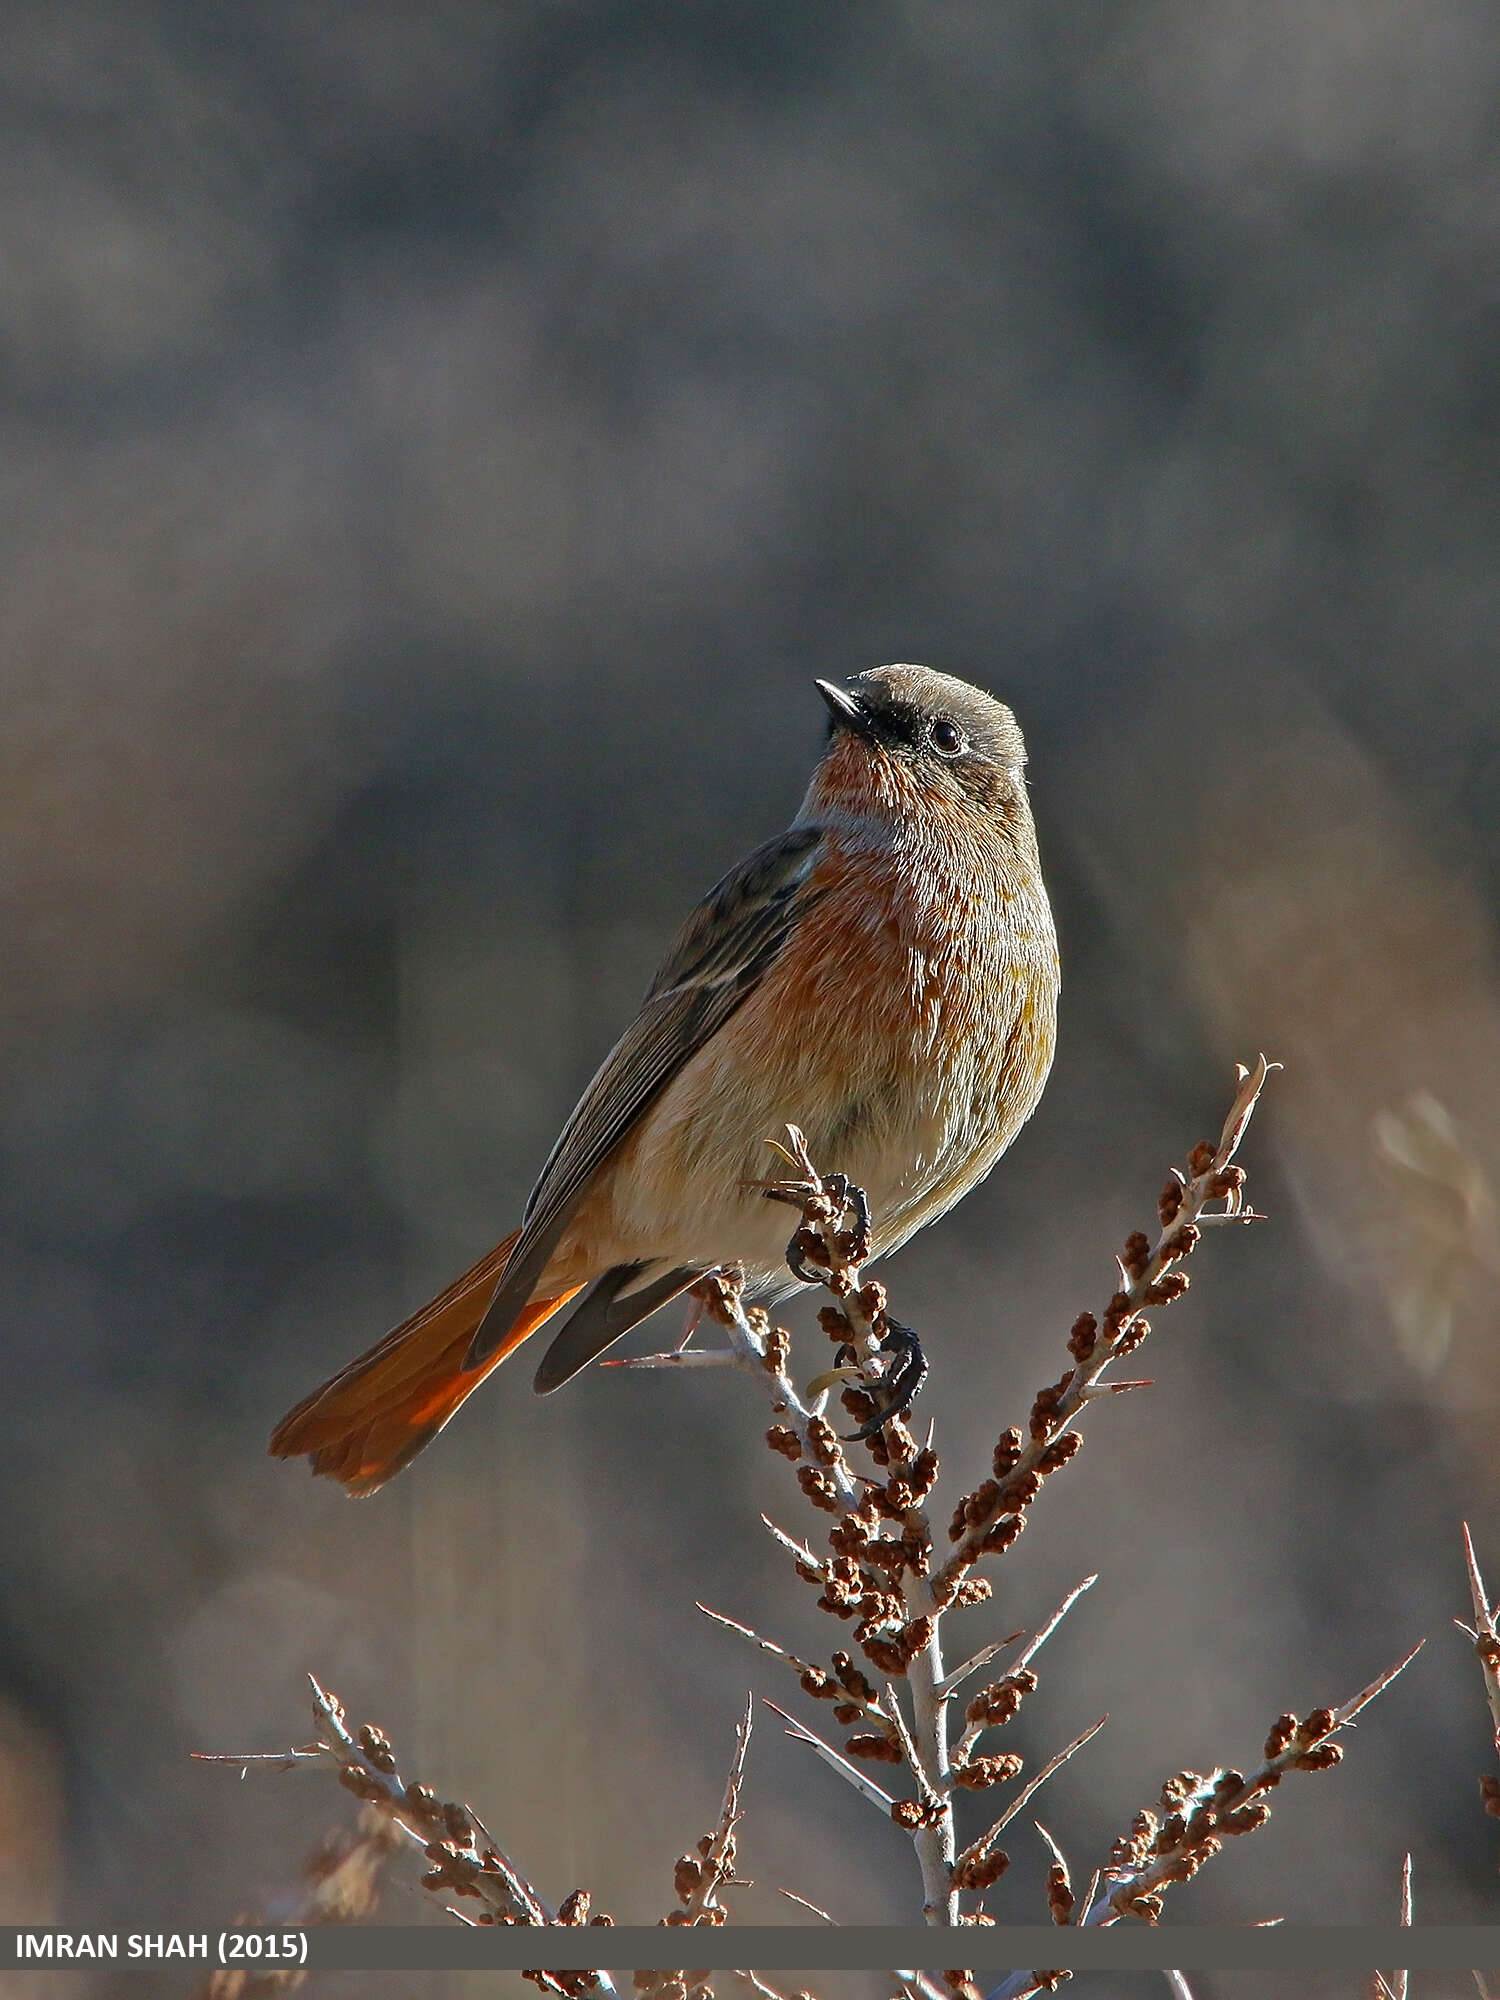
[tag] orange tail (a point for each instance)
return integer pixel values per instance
(374, 1416)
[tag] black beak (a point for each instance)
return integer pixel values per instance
(846, 709)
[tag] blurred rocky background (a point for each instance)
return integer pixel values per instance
(441, 444)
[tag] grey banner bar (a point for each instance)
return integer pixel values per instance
(786, 1948)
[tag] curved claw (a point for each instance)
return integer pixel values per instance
(902, 1381)
(805, 1273)
(852, 1195)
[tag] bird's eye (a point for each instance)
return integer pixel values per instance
(947, 738)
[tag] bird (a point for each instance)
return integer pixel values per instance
(884, 974)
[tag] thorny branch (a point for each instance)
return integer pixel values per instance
(882, 1574)
(1395, 1988)
(882, 1571)
(1485, 1632)
(464, 1859)
(1198, 1812)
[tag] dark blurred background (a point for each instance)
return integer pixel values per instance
(441, 445)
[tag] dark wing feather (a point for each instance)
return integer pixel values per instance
(718, 958)
(603, 1318)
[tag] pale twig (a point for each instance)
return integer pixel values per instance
(1059, 1879)
(954, 1681)
(802, 1902)
(1394, 1988)
(679, 1357)
(465, 1859)
(1033, 1646)
(1485, 1633)
(1178, 1986)
(925, 1786)
(1226, 1804)
(920, 1987)
(793, 1547)
(977, 1850)
(965, 1745)
(758, 1985)
(701, 1899)
(1119, 1331)
(800, 1733)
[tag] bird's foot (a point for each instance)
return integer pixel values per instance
(903, 1378)
(807, 1255)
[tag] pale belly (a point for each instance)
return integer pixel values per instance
(914, 1095)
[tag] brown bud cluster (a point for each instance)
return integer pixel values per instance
(878, 1608)
(1060, 1897)
(877, 1748)
(781, 1438)
(1082, 1339)
(973, 1508)
(1116, 1313)
(1323, 1758)
(1170, 1285)
(571, 1985)
(778, 1350)
(1283, 1729)
(888, 1654)
(911, 1813)
(820, 1488)
(1169, 1201)
(973, 1590)
(1489, 1793)
(850, 1536)
(961, 1985)
(376, 1746)
(1001, 1534)
(977, 1872)
(843, 1586)
(835, 1324)
(1202, 1157)
(1057, 1454)
(364, 1784)
(1007, 1454)
(851, 1678)
(1046, 1410)
(977, 1774)
(823, 1441)
(574, 1909)
(1132, 1336)
(997, 1703)
(894, 1445)
(1137, 1252)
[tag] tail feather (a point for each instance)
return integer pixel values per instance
(372, 1418)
